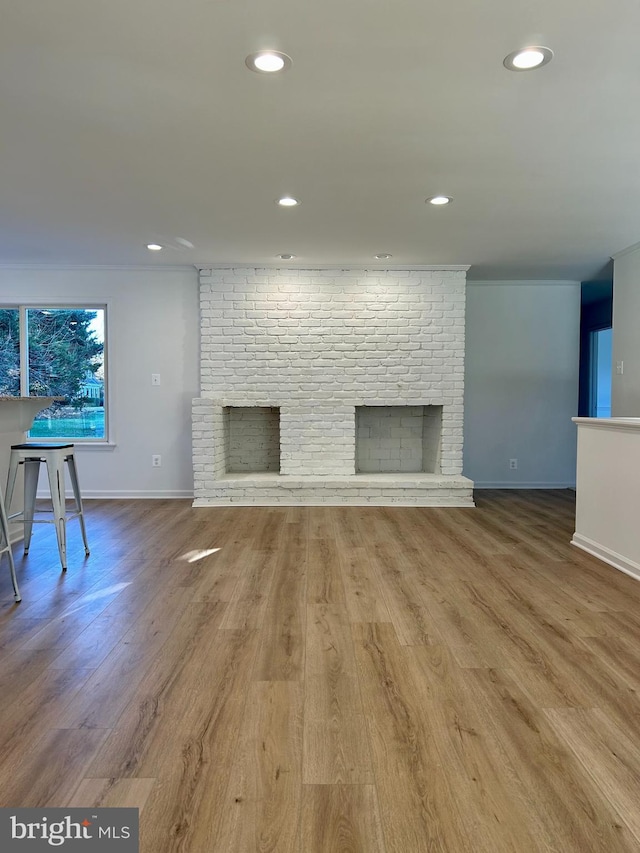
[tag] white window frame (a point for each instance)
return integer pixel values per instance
(66, 305)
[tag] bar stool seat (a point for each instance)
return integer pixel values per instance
(5, 545)
(55, 456)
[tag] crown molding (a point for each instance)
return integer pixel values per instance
(628, 251)
(342, 267)
(100, 267)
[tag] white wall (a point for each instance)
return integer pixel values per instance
(625, 388)
(521, 383)
(153, 327)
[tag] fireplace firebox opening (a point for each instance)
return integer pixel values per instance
(252, 439)
(398, 439)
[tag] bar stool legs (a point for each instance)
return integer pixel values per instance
(5, 545)
(73, 476)
(55, 457)
(31, 471)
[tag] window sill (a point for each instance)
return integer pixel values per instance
(78, 443)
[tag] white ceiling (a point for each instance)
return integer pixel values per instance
(127, 121)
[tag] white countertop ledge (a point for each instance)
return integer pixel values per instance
(609, 423)
(17, 413)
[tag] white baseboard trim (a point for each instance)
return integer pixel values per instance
(132, 495)
(623, 564)
(499, 484)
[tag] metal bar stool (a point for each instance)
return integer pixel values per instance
(5, 545)
(54, 456)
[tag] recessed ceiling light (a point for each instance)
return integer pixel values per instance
(528, 58)
(288, 201)
(268, 61)
(383, 256)
(439, 200)
(154, 247)
(285, 256)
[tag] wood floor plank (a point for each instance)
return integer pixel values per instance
(618, 655)
(329, 678)
(281, 654)
(518, 582)
(192, 752)
(167, 683)
(471, 644)
(557, 669)
(608, 755)
(111, 793)
(90, 646)
(321, 523)
(336, 744)
(18, 670)
(492, 816)
(50, 592)
(59, 632)
(324, 576)
(618, 623)
(340, 818)
(515, 629)
(101, 704)
(16, 629)
(46, 771)
(571, 813)
(461, 526)
(411, 619)
(587, 579)
(39, 707)
(347, 522)
(215, 576)
(247, 605)
(418, 805)
(363, 589)
(260, 810)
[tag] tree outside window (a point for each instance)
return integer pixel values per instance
(56, 352)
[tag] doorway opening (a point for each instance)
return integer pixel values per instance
(596, 338)
(600, 397)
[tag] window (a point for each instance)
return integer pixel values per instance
(57, 352)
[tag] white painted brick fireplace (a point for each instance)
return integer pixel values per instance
(331, 387)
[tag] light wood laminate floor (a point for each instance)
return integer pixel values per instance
(328, 679)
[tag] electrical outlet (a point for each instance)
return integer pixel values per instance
(156, 460)
(513, 464)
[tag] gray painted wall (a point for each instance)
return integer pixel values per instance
(521, 383)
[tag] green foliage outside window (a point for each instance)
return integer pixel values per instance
(9, 352)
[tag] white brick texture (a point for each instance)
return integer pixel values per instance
(316, 344)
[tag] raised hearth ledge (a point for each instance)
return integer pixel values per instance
(353, 490)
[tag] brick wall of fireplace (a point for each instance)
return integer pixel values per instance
(330, 386)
